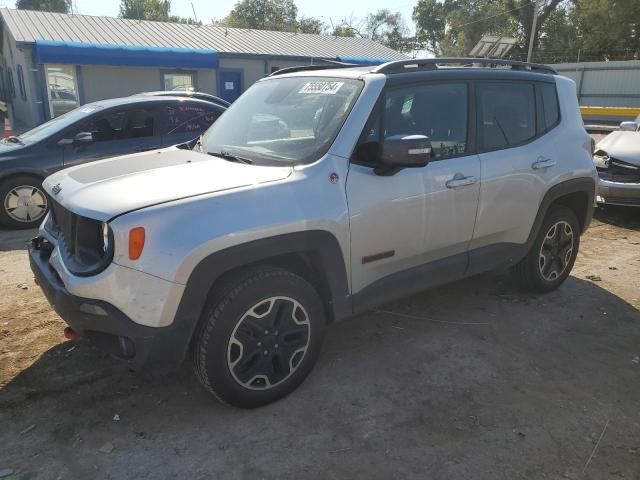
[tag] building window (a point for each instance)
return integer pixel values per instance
(182, 81)
(62, 89)
(21, 85)
(10, 84)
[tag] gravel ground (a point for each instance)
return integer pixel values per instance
(472, 380)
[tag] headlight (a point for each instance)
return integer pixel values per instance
(601, 159)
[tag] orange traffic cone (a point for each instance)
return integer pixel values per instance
(8, 131)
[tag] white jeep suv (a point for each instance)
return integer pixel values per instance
(320, 193)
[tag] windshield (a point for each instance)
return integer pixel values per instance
(57, 124)
(285, 120)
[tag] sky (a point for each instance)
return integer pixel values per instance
(328, 10)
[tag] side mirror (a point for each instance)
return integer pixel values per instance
(83, 138)
(405, 151)
(629, 126)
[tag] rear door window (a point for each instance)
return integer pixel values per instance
(121, 125)
(507, 114)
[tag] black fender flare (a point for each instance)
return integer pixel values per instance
(324, 246)
(586, 185)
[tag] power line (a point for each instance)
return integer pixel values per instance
(493, 16)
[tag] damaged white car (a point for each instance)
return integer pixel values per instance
(617, 159)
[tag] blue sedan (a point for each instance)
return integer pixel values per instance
(92, 132)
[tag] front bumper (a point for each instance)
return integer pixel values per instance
(618, 193)
(100, 321)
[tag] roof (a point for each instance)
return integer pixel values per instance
(31, 26)
(142, 99)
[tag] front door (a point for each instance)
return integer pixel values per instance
(230, 84)
(402, 222)
(114, 133)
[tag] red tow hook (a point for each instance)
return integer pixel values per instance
(70, 333)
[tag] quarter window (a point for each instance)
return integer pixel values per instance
(549, 106)
(186, 118)
(507, 114)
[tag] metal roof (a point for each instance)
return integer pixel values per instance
(29, 26)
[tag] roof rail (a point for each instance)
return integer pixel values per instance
(302, 68)
(432, 64)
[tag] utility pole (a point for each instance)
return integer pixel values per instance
(534, 24)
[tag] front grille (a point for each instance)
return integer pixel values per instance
(80, 241)
(619, 171)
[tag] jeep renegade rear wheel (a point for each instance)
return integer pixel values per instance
(259, 338)
(554, 251)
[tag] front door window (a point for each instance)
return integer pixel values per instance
(62, 89)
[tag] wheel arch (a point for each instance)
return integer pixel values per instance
(314, 255)
(577, 194)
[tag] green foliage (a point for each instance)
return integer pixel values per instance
(263, 15)
(383, 26)
(60, 6)
(311, 25)
(157, 10)
(607, 29)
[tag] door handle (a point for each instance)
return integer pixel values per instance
(460, 182)
(543, 163)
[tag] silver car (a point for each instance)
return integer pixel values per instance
(617, 159)
(319, 194)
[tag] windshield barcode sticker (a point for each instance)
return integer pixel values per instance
(326, 88)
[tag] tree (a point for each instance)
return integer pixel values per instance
(263, 15)
(311, 25)
(453, 27)
(608, 29)
(59, 6)
(382, 26)
(157, 10)
(522, 11)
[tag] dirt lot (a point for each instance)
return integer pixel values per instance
(473, 380)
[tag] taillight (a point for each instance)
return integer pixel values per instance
(136, 242)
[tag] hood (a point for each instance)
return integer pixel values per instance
(7, 149)
(622, 145)
(102, 190)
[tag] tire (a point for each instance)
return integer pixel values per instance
(259, 337)
(23, 202)
(545, 269)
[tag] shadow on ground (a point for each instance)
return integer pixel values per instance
(522, 388)
(15, 239)
(626, 217)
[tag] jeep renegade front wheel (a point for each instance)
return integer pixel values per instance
(259, 337)
(554, 251)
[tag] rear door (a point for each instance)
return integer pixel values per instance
(516, 160)
(114, 132)
(185, 120)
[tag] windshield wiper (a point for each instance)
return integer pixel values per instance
(231, 157)
(13, 139)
